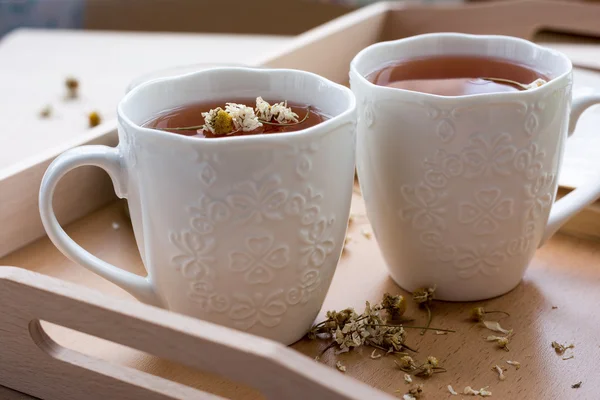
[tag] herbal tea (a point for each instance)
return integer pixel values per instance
(457, 76)
(240, 117)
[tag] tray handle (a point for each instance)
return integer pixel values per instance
(60, 373)
(524, 18)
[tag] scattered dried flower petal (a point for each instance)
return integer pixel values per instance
(536, 84)
(500, 372)
(366, 233)
(441, 332)
(577, 385)
(46, 112)
(501, 341)
(375, 356)
(483, 392)
(340, 366)
(94, 119)
(569, 357)
(407, 379)
(561, 348)
(408, 396)
(451, 390)
(516, 364)
(471, 391)
(495, 326)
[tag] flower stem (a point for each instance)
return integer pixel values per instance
(428, 319)
(510, 82)
(376, 346)
(330, 345)
(414, 327)
(183, 128)
(501, 312)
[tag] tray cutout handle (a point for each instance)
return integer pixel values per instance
(275, 370)
(520, 18)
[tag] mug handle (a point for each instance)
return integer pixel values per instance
(582, 196)
(109, 159)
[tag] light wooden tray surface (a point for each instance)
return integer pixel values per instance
(565, 273)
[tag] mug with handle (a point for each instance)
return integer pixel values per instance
(460, 190)
(241, 231)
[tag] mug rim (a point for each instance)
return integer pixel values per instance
(550, 85)
(324, 126)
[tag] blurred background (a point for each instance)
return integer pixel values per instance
(233, 16)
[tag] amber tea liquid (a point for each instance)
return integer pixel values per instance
(454, 75)
(191, 115)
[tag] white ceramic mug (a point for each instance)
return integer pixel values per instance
(460, 190)
(243, 231)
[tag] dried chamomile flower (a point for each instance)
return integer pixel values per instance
(577, 385)
(425, 371)
(451, 390)
(94, 119)
(495, 326)
(415, 392)
(406, 363)
(366, 233)
(423, 297)
(501, 341)
(375, 356)
(46, 112)
(244, 118)
(471, 391)
(430, 367)
(218, 122)
(561, 348)
(477, 313)
(500, 372)
(72, 86)
(407, 379)
(515, 364)
(395, 305)
(340, 366)
(278, 111)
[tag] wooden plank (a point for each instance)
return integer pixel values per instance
(32, 362)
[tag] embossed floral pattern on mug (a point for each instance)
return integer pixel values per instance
(261, 258)
(253, 201)
(484, 209)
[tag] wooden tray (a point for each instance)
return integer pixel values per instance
(79, 337)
